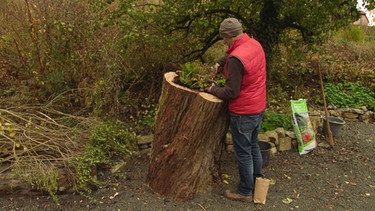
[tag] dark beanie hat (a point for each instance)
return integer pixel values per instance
(230, 27)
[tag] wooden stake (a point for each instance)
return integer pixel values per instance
(329, 137)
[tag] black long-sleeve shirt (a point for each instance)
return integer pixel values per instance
(233, 81)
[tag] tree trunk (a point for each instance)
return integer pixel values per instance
(190, 130)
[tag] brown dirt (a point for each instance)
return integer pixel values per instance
(338, 178)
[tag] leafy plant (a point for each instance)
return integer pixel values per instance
(273, 120)
(189, 75)
(44, 179)
(196, 75)
(109, 140)
(144, 118)
(351, 34)
(349, 95)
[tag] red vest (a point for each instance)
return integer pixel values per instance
(252, 97)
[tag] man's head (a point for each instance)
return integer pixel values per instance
(229, 29)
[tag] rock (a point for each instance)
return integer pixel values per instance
(280, 132)
(314, 113)
(230, 148)
(273, 137)
(345, 109)
(272, 144)
(122, 164)
(285, 144)
(273, 150)
(228, 139)
(145, 139)
(263, 137)
(335, 113)
(350, 115)
(357, 111)
(332, 107)
(316, 121)
(367, 117)
(291, 134)
(364, 108)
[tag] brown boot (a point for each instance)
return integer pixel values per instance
(234, 195)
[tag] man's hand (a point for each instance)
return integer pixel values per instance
(217, 68)
(208, 89)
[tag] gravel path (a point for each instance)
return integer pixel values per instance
(341, 178)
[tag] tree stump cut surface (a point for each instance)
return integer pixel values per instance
(190, 129)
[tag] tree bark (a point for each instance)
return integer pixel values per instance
(190, 129)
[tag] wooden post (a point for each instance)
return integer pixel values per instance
(329, 132)
(190, 129)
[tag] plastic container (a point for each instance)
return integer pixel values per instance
(335, 124)
(265, 149)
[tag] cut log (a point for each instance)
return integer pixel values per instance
(190, 130)
(13, 184)
(10, 184)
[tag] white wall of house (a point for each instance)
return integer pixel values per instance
(370, 14)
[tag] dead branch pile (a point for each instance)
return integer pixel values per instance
(39, 138)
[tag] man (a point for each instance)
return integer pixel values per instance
(245, 70)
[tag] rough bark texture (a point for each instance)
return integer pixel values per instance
(189, 132)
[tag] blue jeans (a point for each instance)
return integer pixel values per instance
(245, 129)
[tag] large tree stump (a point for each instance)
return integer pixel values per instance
(190, 130)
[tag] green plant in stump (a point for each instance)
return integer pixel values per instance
(198, 76)
(189, 75)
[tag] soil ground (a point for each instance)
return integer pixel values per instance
(338, 178)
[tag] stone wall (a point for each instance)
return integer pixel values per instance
(282, 140)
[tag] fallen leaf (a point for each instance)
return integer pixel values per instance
(225, 176)
(287, 201)
(330, 206)
(287, 176)
(12, 134)
(272, 182)
(112, 197)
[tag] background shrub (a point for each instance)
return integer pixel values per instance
(349, 95)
